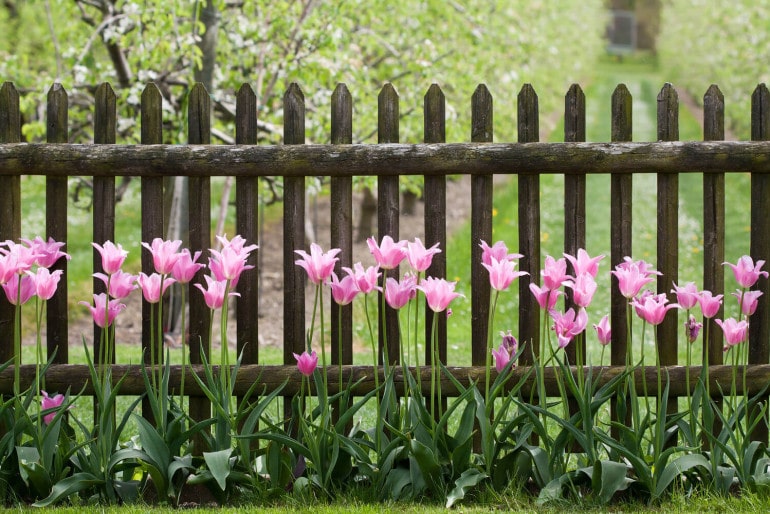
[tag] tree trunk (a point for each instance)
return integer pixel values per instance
(368, 215)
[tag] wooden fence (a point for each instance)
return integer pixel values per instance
(341, 160)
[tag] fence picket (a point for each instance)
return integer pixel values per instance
(341, 205)
(387, 215)
(435, 214)
(10, 199)
(247, 226)
(668, 227)
(482, 131)
(56, 227)
(105, 119)
(529, 227)
(199, 195)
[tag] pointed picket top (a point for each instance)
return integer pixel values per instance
(10, 115)
(668, 113)
(482, 115)
(199, 116)
(760, 113)
(105, 114)
(152, 115)
(713, 114)
(245, 116)
(434, 115)
(293, 115)
(387, 115)
(342, 115)
(529, 123)
(58, 114)
(575, 114)
(622, 114)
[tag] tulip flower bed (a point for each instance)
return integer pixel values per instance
(604, 435)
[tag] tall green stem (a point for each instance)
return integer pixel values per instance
(488, 356)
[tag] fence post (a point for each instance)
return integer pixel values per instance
(387, 214)
(759, 329)
(56, 227)
(152, 220)
(621, 189)
(529, 228)
(103, 199)
(10, 199)
(482, 131)
(247, 226)
(668, 233)
(199, 194)
(342, 231)
(293, 235)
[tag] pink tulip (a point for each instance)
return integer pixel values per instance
(632, 276)
(214, 294)
(343, 291)
(545, 298)
(686, 295)
(583, 263)
(398, 293)
(509, 342)
(306, 362)
(583, 289)
(151, 286)
(16, 296)
(387, 254)
(652, 307)
(735, 332)
(164, 254)
(228, 264)
(45, 282)
(745, 272)
(48, 252)
(237, 244)
(709, 304)
(502, 358)
(554, 273)
(748, 300)
(7, 268)
(120, 283)
(568, 325)
(418, 256)
(692, 328)
(17, 259)
(502, 273)
(438, 292)
(604, 331)
(112, 256)
(48, 402)
(317, 264)
(186, 266)
(104, 312)
(499, 251)
(366, 279)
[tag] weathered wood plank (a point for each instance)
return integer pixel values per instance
(385, 160)
(247, 226)
(574, 194)
(388, 209)
(10, 199)
(434, 120)
(621, 192)
(57, 318)
(714, 221)
(529, 228)
(668, 228)
(105, 120)
(482, 131)
(269, 378)
(199, 222)
(342, 225)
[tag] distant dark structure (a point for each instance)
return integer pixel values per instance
(633, 25)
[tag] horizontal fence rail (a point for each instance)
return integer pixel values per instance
(434, 159)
